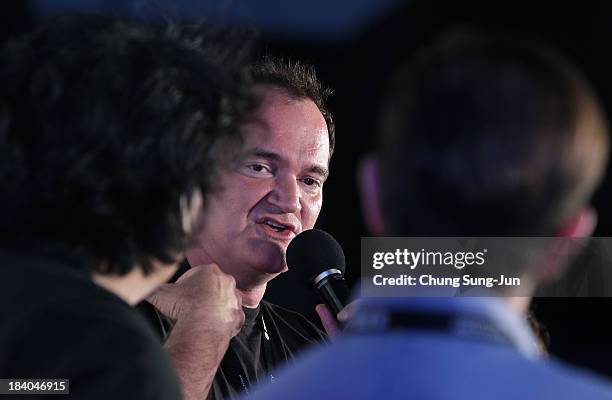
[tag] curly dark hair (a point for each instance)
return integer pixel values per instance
(299, 81)
(107, 126)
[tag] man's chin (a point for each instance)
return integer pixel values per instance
(272, 269)
(268, 257)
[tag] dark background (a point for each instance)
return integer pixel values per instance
(355, 45)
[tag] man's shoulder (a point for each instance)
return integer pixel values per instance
(61, 310)
(96, 342)
(391, 366)
(57, 297)
(91, 320)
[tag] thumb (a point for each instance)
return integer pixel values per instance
(164, 300)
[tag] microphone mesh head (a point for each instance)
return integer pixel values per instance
(312, 252)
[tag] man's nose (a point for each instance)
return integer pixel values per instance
(286, 195)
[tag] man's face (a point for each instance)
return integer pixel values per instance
(271, 191)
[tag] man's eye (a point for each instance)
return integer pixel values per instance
(311, 182)
(258, 169)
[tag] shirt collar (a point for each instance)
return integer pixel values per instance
(373, 311)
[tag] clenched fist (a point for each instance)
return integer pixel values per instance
(203, 298)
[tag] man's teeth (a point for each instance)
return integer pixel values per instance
(279, 228)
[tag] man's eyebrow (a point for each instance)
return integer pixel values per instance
(261, 153)
(319, 170)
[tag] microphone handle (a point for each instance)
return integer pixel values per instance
(333, 292)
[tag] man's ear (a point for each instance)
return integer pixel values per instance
(368, 179)
(581, 225)
(563, 251)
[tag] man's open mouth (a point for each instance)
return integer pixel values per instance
(276, 226)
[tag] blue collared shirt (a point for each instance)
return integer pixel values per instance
(375, 362)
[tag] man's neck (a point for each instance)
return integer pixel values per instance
(135, 285)
(518, 300)
(125, 287)
(518, 305)
(251, 297)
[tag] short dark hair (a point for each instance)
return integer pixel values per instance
(107, 126)
(488, 135)
(299, 81)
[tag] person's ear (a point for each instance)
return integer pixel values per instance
(369, 182)
(572, 237)
(581, 225)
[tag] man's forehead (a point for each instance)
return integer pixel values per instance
(297, 143)
(274, 94)
(287, 130)
(277, 103)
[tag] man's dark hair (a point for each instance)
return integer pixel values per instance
(108, 128)
(299, 81)
(488, 136)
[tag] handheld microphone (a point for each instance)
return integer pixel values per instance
(318, 258)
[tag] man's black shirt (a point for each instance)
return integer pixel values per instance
(270, 337)
(57, 323)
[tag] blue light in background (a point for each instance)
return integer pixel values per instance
(321, 20)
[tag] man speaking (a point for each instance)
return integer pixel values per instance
(270, 190)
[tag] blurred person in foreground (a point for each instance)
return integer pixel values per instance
(481, 136)
(109, 132)
(271, 190)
